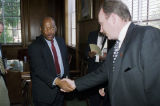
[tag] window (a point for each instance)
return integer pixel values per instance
(10, 16)
(145, 12)
(71, 23)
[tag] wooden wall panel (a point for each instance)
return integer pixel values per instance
(11, 52)
(56, 10)
(87, 26)
(83, 28)
(32, 13)
(38, 9)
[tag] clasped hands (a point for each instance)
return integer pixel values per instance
(66, 85)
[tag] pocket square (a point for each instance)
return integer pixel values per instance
(127, 69)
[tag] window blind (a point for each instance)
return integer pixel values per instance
(145, 12)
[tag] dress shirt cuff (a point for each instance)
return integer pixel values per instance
(56, 78)
(54, 81)
(97, 58)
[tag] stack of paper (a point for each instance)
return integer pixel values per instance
(95, 48)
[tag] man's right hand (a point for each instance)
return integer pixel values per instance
(102, 92)
(65, 84)
(101, 58)
(91, 54)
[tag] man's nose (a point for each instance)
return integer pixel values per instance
(50, 31)
(101, 30)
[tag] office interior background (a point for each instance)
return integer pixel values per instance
(74, 20)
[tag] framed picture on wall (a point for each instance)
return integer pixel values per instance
(85, 10)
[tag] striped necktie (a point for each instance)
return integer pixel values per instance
(115, 53)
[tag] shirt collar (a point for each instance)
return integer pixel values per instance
(122, 33)
(48, 41)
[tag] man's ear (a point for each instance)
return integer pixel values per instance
(40, 29)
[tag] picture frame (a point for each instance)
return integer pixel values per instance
(85, 10)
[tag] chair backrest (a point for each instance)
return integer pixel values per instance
(14, 85)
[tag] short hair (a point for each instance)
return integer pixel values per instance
(1, 23)
(48, 17)
(117, 7)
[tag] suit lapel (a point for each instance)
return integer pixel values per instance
(60, 48)
(47, 54)
(121, 54)
(95, 38)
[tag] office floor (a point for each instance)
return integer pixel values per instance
(76, 102)
(68, 102)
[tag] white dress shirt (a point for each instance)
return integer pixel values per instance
(100, 40)
(60, 61)
(122, 33)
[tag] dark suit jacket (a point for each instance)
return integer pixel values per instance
(1, 52)
(92, 39)
(136, 79)
(43, 70)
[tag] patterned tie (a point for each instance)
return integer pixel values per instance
(2, 66)
(115, 53)
(55, 58)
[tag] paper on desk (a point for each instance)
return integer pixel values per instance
(95, 48)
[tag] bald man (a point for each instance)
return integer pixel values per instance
(48, 62)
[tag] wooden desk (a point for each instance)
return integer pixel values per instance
(26, 75)
(27, 79)
(26, 67)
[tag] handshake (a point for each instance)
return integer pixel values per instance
(65, 84)
(68, 85)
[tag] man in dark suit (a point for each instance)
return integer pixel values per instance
(94, 61)
(134, 77)
(48, 62)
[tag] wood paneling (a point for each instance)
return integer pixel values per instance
(83, 28)
(11, 51)
(87, 26)
(56, 10)
(38, 9)
(32, 13)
